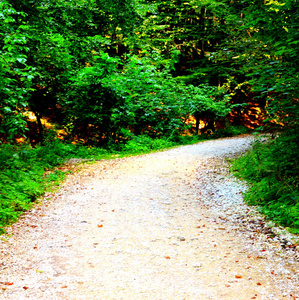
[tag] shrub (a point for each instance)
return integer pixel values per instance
(144, 143)
(23, 176)
(272, 170)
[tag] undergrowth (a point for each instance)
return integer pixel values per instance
(272, 170)
(23, 176)
(26, 173)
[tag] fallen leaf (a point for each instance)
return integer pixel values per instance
(100, 225)
(238, 276)
(259, 283)
(64, 287)
(167, 257)
(8, 283)
(25, 287)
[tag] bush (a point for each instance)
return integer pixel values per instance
(272, 170)
(23, 178)
(143, 143)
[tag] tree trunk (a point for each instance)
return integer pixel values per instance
(40, 128)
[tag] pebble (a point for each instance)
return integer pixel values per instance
(197, 265)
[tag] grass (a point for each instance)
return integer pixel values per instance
(25, 176)
(26, 173)
(272, 171)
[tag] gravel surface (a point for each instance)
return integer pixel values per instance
(168, 225)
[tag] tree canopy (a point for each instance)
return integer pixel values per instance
(99, 68)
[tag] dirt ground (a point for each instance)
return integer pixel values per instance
(167, 225)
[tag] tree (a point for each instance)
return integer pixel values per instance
(274, 58)
(15, 73)
(43, 44)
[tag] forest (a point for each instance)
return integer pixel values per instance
(95, 79)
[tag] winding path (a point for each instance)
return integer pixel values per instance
(167, 225)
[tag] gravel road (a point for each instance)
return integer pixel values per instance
(167, 225)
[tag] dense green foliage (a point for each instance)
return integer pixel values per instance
(272, 58)
(273, 173)
(60, 59)
(117, 73)
(43, 45)
(23, 176)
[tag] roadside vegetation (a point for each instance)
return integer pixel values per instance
(27, 172)
(272, 171)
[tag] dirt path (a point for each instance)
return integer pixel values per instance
(168, 225)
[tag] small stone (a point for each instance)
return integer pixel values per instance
(181, 238)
